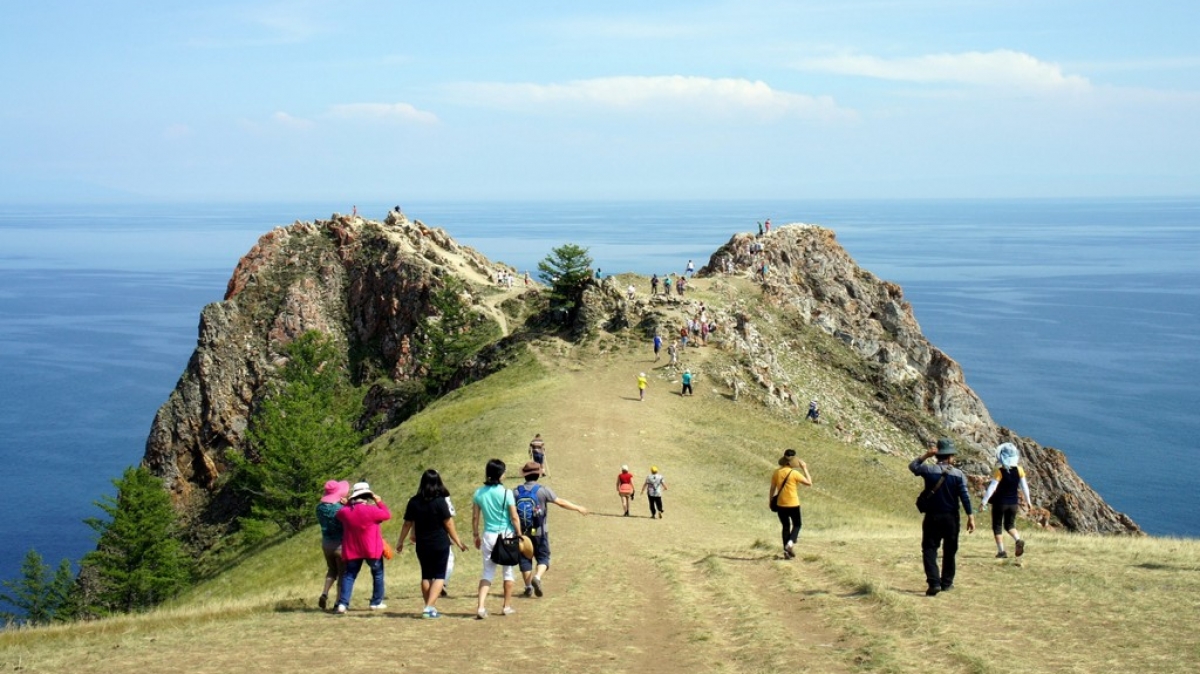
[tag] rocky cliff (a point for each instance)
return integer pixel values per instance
(803, 270)
(368, 285)
(365, 283)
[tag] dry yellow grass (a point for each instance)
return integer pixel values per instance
(702, 590)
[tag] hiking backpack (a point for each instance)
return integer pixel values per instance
(529, 509)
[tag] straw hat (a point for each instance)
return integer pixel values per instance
(526, 547)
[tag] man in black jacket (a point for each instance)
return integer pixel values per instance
(940, 528)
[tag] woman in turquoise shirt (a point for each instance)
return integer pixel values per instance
(495, 511)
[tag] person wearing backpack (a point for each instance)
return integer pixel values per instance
(1007, 481)
(532, 499)
(947, 487)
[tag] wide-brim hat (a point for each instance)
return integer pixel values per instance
(1008, 455)
(945, 447)
(526, 547)
(531, 468)
(335, 491)
(361, 489)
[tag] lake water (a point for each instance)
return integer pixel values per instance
(1076, 321)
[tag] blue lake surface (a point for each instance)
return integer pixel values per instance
(1077, 322)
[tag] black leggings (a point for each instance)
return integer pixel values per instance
(655, 504)
(789, 518)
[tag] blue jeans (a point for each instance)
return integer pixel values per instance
(353, 566)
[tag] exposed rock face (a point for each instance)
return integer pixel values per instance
(365, 283)
(368, 285)
(811, 275)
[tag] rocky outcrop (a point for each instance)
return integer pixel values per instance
(364, 283)
(810, 275)
(368, 285)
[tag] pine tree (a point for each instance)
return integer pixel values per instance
(302, 435)
(566, 270)
(38, 597)
(138, 561)
(452, 334)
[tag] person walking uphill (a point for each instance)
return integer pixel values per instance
(641, 381)
(625, 488)
(947, 488)
(532, 501)
(429, 517)
(362, 543)
(331, 537)
(653, 487)
(1007, 481)
(494, 513)
(784, 498)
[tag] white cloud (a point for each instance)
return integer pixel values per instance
(669, 93)
(398, 112)
(291, 121)
(1001, 69)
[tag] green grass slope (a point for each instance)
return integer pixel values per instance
(702, 590)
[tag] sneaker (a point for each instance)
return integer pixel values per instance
(341, 608)
(508, 610)
(933, 590)
(323, 602)
(1020, 547)
(481, 614)
(537, 586)
(528, 592)
(431, 613)
(1002, 555)
(378, 607)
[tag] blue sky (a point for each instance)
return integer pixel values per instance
(381, 101)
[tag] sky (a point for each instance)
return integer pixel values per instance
(361, 100)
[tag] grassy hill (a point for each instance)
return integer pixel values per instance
(702, 590)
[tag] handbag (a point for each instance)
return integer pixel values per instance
(775, 496)
(507, 550)
(926, 495)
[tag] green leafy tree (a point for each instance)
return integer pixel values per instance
(566, 270)
(452, 333)
(139, 560)
(38, 597)
(302, 435)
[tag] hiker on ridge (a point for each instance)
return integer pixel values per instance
(1007, 481)
(537, 452)
(625, 488)
(947, 487)
(331, 538)
(429, 518)
(784, 497)
(494, 513)
(532, 499)
(653, 487)
(362, 543)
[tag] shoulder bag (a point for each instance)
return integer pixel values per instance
(775, 496)
(926, 495)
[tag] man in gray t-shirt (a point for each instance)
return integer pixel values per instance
(541, 542)
(653, 488)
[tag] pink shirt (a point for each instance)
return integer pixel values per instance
(361, 537)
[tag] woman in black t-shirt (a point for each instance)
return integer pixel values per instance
(428, 517)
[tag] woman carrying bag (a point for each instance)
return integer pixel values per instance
(784, 497)
(494, 514)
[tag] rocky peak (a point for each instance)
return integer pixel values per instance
(813, 278)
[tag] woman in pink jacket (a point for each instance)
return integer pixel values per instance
(362, 541)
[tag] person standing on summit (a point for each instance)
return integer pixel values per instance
(947, 488)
